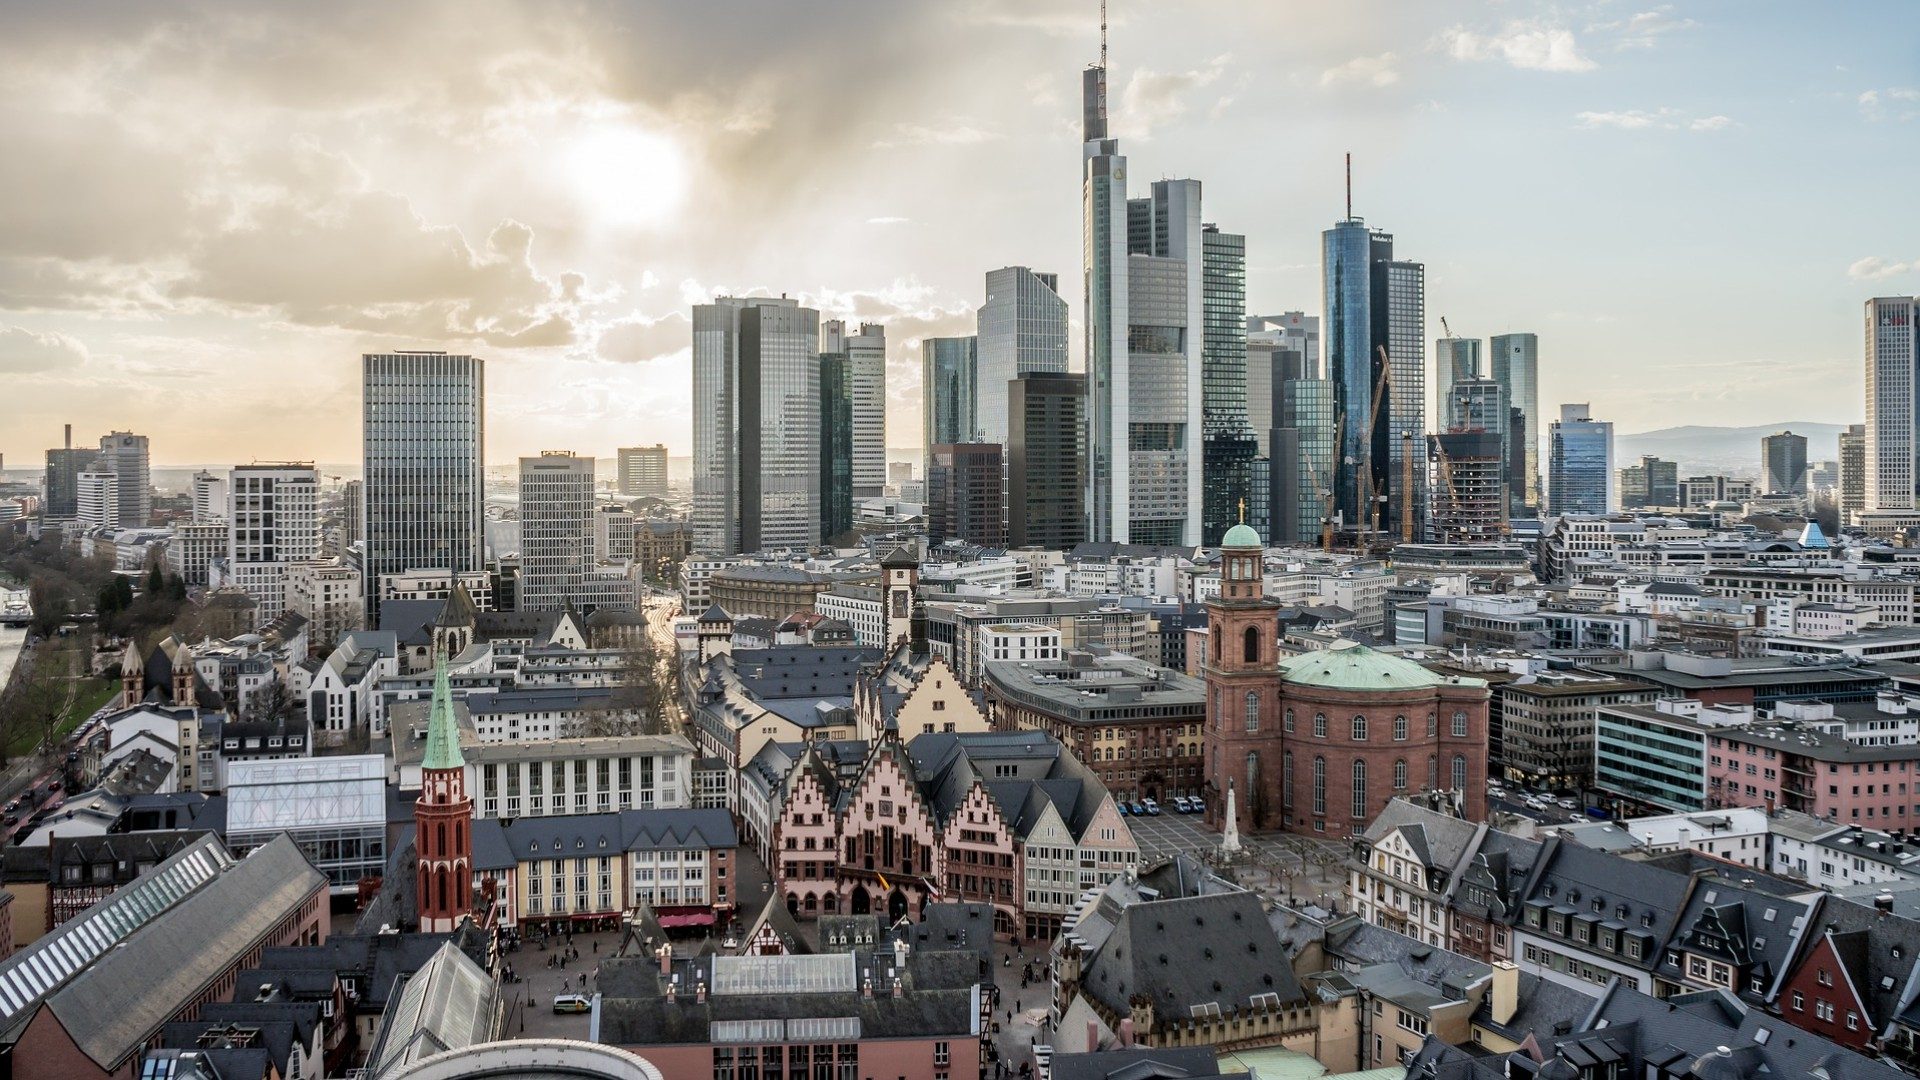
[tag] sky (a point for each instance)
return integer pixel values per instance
(209, 210)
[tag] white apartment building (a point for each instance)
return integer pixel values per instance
(273, 519)
(209, 497)
(330, 597)
(579, 776)
(860, 607)
(437, 584)
(1020, 642)
(1833, 620)
(98, 498)
(194, 548)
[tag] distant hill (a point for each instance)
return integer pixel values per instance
(1733, 450)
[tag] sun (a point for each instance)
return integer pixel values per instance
(626, 175)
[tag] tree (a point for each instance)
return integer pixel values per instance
(156, 581)
(35, 699)
(646, 686)
(272, 703)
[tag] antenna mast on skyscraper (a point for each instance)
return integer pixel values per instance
(1103, 35)
(1349, 170)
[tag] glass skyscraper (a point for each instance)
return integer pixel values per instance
(1783, 464)
(756, 425)
(836, 446)
(1515, 365)
(1455, 360)
(1347, 269)
(1047, 460)
(948, 377)
(1375, 304)
(1228, 446)
(866, 353)
(1022, 328)
(1580, 464)
(423, 423)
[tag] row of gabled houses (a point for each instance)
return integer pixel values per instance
(1662, 924)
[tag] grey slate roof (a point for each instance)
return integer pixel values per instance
(1190, 951)
(113, 1007)
(1138, 1063)
(499, 845)
(1878, 950)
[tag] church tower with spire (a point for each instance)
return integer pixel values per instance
(443, 818)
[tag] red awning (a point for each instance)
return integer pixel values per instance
(668, 922)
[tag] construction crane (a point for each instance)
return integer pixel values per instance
(1326, 493)
(1406, 486)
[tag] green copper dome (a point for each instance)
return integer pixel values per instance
(1352, 666)
(1241, 536)
(443, 732)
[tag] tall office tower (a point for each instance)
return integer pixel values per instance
(1783, 464)
(643, 470)
(1349, 251)
(556, 529)
(1455, 360)
(273, 520)
(1047, 460)
(1474, 405)
(1853, 472)
(1580, 463)
(64, 467)
(1022, 328)
(353, 499)
(1520, 442)
(1469, 486)
(209, 497)
(1301, 475)
(97, 497)
(1651, 483)
(963, 494)
(423, 423)
(1823, 477)
(126, 454)
(1515, 364)
(1142, 262)
(1294, 331)
(756, 425)
(866, 354)
(1893, 353)
(836, 447)
(949, 368)
(1400, 324)
(1228, 446)
(1156, 493)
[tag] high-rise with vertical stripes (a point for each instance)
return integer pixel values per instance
(1892, 358)
(423, 424)
(756, 425)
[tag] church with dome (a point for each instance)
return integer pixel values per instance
(1319, 742)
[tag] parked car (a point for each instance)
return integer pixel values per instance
(571, 1003)
(1153, 808)
(1180, 804)
(1122, 806)
(1136, 809)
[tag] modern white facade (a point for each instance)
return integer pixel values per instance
(1892, 357)
(99, 498)
(756, 425)
(580, 776)
(1022, 328)
(273, 520)
(556, 529)
(329, 596)
(424, 434)
(209, 496)
(126, 454)
(437, 584)
(194, 547)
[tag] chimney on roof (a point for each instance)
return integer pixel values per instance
(672, 985)
(896, 986)
(1505, 992)
(1883, 903)
(700, 992)
(866, 985)
(1126, 1033)
(666, 958)
(1093, 1036)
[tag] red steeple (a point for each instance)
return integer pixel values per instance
(443, 818)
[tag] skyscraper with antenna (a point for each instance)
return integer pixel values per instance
(1145, 320)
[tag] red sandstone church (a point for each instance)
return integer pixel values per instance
(1319, 742)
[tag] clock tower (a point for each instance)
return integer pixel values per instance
(899, 592)
(1241, 671)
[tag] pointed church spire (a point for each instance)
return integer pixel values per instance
(443, 732)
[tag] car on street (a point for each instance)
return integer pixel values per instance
(1136, 809)
(1153, 808)
(1180, 803)
(571, 1003)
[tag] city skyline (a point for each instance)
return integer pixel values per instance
(190, 203)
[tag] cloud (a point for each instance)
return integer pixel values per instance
(1523, 43)
(1363, 70)
(639, 340)
(887, 221)
(1644, 29)
(1155, 98)
(1875, 268)
(23, 351)
(1892, 103)
(954, 132)
(1661, 119)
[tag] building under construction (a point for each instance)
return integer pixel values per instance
(1469, 485)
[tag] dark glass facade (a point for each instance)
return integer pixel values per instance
(1228, 446)
(1047, 460)
(836, 447)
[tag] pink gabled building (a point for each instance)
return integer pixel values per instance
(1853, 762)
